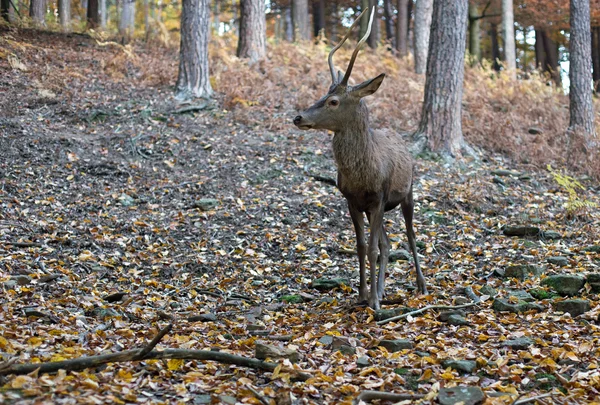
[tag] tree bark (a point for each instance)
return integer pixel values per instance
(540, 60)
(252, 38)
(596, 58)
(216, 18)
(364, 4)
(389, 25)
(289, 26)
(334, 21)
(193, 79)
(37, 11)
(551, 64)
(402, 28)
(474, 34)
(5, 9)
(93, 16)
(508, 35)
(495, 47)
(300, 20)
(423, 13)
(580, 73)
(374, 37)
(318, 17)
(127, 21)
(103, 15)
(441, 127)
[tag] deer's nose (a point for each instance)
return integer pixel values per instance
(297, 120)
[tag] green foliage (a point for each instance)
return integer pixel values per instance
(575, 205)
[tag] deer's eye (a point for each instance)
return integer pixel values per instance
(334, 102)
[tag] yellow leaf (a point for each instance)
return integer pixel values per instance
(126, 375)
(277, 371)
(20, 381)
(174, 364)
(4, 343)
(427, 374)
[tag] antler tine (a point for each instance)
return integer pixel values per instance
(338, 46)
(362, 41)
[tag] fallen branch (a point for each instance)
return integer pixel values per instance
(424, 309)
(258, 395)
(154, 342)
(324, 179)
(82, 363)
(532, 399)
(368, 396)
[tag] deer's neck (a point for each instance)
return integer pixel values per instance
(353, 143)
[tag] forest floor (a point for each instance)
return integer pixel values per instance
(120, 215)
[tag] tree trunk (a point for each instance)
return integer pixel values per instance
(495, 47)
(551, 57)
(289, 26)
(441, 125)
(389, 25)
(423, 12)
(374, 37)
(540, 59)
(252, 38)
(334, 22)
(580, 73)
(37, 11)
(364, 22)
(93, 17)
(103, 15)
(127, 21)
(596, 58)
(193, 79)
(318, 17)
(402, 28)
(300, 20)
(474, 38)
(5, 9)
(508, 35)
(216, 18)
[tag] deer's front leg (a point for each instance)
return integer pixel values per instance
(376, 226)
(359, 226)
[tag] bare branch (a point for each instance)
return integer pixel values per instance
(424, 309)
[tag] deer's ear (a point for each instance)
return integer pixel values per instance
(368, 87)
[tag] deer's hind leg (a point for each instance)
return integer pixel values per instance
(358, 220)
(384, 254)
(408, 207)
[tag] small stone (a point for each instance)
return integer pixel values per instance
(397, 255)
(498, 180)
(203, 318)
(574, 307)
(104, 313)
(342, 344)
(521, 231)
(460, 300)
(382, 314)
(325, 284)
(463, 395)
(205, 204)
(363, 361)
(521, 295)
(21, 279)
(227, 399)
(326, 340)
(504, 305)
(10, 284)
(126, 200)
(445, 315)
(458, 320)
(505, 173)
(551, 235)
(519, 343)
(466, 366)
(525, 177)
(292, 299)
(535, 131)
(114, 297)
(396, 345)
(202, 399)
(488, 290)
(564, 284)
(541, 294)
(594, 281)
(347, 350)
(263, 351)
(592, 249)
(558, 260)
(522, 271)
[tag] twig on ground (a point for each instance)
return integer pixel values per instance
(424, 309)
(471, 294)
(191, 108)
(258, 395)
(154, 341)
(21, 244)
(324, 179)
(368, 396)
(531, 399)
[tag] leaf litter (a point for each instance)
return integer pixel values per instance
(118, 218)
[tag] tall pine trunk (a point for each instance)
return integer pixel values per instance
(318, 17)
(5, 9)
(441, 125)
(389, 25)
(474, 31)
(289, 25)
(37, 11)
(103, 15)
(423, 13)
(252, 38)
(495, 47)
(580, 72)
(127, 21)
(508, 35)
(596, 58)
(300, 20)
(540, 60)
(93, 15)
(374, 37)
(402, 28)
(364, 22)
(193, 79)
(551, 63)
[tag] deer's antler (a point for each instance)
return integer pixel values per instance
(330, 57)
(358, 46)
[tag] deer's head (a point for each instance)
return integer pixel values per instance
(342, 100)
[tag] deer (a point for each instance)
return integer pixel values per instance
(375, 169)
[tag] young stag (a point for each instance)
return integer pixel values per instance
(375, 169)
